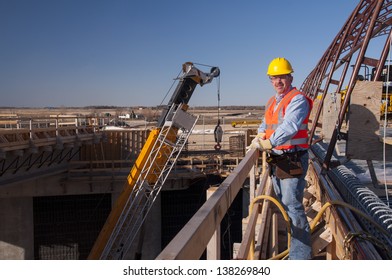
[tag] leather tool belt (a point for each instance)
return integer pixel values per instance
(287, 165)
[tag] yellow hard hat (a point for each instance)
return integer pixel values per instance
(279, 66)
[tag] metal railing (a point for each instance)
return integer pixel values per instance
(22, 133)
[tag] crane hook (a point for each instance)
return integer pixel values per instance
(218, 133)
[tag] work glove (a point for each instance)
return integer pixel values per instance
(265, 145)
(255, 144)
(261, 135)
(261, 144)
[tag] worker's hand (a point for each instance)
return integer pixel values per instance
(262, 145)
(255, 142)
(253, 145)
(265, 145)
(261, 135)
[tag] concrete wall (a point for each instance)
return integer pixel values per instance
(16, 210)
(17, 228)
(16, 213)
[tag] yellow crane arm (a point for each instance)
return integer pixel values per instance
(151, 157)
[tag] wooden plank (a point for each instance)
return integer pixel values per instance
(274, 235)
(364, 123)
(316, 104)
(320, 240)
(331, 110)
(313, 210)
(334, 224)
(213, 246)
(263, 239)
(331, 250)
(252, 183)
(372, 172)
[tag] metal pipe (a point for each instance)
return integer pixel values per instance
(383, 58)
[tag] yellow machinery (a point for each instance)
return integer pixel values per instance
(386, 100)
(151, 168)
(245, 123)
(386, 104)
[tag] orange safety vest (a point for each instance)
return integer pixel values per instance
(274, 118)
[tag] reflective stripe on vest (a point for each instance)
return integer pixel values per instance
(303, 126)
(274, 118)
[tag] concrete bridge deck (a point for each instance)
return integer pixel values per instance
(43, 169)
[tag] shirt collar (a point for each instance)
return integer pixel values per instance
(279, 97)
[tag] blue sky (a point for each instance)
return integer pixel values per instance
(127, 52)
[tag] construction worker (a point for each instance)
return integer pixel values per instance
(283, 133)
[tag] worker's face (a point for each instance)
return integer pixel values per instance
(281, 83)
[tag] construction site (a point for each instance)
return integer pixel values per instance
(181, 184)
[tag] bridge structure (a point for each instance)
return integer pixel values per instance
(43, 162)
(66, 158)
(35, 146)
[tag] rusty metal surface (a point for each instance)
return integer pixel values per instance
(346, 56)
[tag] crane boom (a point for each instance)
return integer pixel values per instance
(151, 168)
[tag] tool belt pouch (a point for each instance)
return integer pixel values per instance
(287, 167)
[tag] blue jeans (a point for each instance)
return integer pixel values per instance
(290, 192)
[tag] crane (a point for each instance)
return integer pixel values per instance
(151, 168)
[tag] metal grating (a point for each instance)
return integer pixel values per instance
(237, 145)
(179, 206)
(65, 227)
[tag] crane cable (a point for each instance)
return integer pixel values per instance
(167, 93)
(218, 132)
(385, 120)
(218, 94)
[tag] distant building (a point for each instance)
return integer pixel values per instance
(126, 116)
